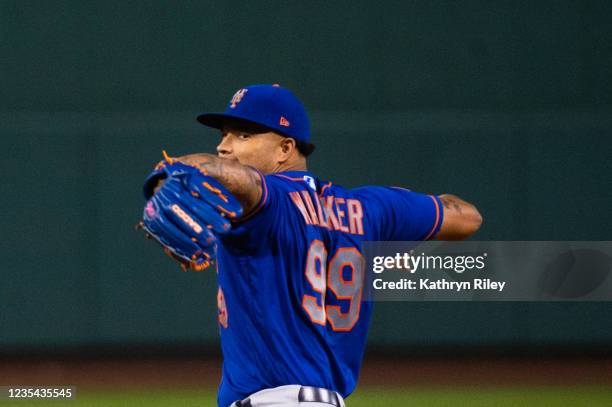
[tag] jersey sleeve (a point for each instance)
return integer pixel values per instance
(399, 214)
(263, 219)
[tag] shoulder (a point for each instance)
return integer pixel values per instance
(276, 195)
(289, 180)
(295, 181)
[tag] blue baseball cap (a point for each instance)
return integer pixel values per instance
(271, 106)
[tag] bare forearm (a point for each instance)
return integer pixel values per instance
(461, 218)
(242, 181)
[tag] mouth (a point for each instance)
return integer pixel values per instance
(228, 157)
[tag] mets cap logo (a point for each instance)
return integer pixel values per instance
(237, 97)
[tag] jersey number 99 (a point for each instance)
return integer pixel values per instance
(323, 275)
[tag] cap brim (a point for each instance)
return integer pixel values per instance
(218, 120)
(214, 120)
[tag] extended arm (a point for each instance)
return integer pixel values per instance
(242, 181)
(461, 219)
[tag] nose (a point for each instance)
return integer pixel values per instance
(224, 149)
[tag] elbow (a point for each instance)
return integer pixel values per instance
(468, 224)
(473, 221)
(461, 219)
(470, 220)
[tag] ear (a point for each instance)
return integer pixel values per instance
(287, 148)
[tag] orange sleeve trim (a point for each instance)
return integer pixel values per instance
(324, 188)
(435, 226)
(262, 200)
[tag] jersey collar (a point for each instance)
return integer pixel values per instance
(301, 176)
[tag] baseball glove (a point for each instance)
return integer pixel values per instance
(186, 212)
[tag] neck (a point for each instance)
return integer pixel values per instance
(298, 164)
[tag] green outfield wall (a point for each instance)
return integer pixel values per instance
(507, 104)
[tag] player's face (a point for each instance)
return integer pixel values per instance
(251, 147)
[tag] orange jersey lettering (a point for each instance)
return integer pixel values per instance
(297, 200)
(355, 216)
(330, 212)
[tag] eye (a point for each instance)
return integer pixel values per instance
(244, 136)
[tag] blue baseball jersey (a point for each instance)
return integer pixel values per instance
(291, 278)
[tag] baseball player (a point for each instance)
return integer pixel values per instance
(290, 266)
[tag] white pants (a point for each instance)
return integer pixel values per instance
(283, 396)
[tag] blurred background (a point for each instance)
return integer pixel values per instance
(506, 104)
